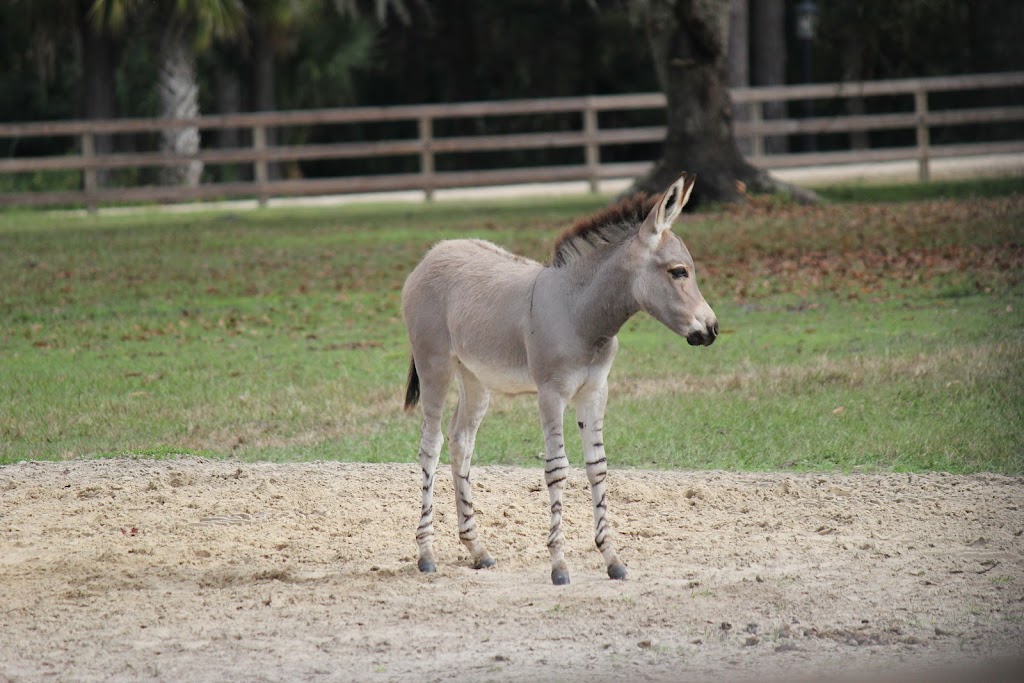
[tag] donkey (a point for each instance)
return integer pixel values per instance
(501, 322)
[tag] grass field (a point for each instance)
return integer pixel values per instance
(864, 333)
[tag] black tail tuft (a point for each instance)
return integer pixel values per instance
(412, 391)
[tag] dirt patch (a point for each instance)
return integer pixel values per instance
(206, 570)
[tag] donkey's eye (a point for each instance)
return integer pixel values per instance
(678, 272)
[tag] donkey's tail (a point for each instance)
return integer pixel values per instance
(412, 390)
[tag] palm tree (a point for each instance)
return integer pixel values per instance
(185, 28)
(273, 24)
(52, 23)
(272, 29)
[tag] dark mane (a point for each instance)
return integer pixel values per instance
(608, 226)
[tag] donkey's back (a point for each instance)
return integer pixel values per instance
(468, 269)
(468, 302)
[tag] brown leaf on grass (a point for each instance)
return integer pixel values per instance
(864, 249)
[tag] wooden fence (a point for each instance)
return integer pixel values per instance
(586, 135)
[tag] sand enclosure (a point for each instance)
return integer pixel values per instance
(191, 569)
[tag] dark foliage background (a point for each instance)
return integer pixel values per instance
(328, 53)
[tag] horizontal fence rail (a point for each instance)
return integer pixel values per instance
(423, 143)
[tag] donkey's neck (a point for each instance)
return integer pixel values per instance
(602, 296)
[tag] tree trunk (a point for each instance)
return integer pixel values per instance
(689, 44)
(852, 59)
(97, 87)
(178, 91)
(264, 87)
(229, 101)
(769, 62)
(739, 63)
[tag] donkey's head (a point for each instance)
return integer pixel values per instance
(665, 280)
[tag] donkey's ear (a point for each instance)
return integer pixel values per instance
(674, 200)
(666, 211)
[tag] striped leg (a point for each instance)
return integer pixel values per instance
(556, 469)
(473, 399)
(590, 418)
(434, 389)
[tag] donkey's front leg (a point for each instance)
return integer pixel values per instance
(556, 469)
(590, 419)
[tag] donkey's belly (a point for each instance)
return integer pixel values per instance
(503, 380)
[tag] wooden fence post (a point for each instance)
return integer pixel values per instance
(756, 136)
(591, 149)
(921, 110)
(426, 132)
(89, 173)
(259, 143)
(92, 161)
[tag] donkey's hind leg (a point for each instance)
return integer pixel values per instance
(435, 379)
(473, 399)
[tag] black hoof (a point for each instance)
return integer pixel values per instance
(560, 577)
(426, 566)
(485, 563)
(617, 571)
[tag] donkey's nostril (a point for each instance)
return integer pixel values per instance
(714, 330)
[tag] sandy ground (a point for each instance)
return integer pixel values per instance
(200, 570)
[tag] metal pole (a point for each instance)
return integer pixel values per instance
(810, 141)
(806, 28)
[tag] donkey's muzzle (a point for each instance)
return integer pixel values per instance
(705, 337)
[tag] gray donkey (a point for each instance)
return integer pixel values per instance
(501, 322)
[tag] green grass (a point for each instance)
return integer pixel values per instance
(875, 336)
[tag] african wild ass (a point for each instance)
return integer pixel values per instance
(501, 322)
